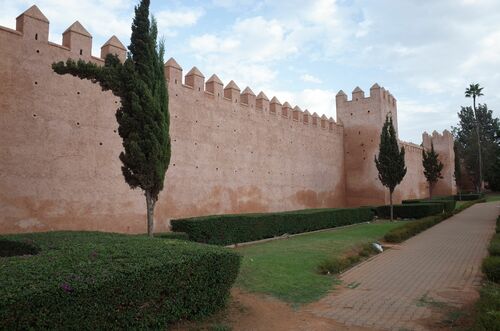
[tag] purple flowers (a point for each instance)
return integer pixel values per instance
(66, 288)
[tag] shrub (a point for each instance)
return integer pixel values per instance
(469, 196)
(173, 235)
(336, 265)
(412, 228)
(448, 204)
(491, 268)
(488, 308)
(498, 225)
(494, 247)
(333, 265)
(231, 229)
(105, 281)
(16, 248)
(411, 210)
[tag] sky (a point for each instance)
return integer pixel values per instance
(425, 52)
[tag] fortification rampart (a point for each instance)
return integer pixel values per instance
(232, 151)
(443, 145)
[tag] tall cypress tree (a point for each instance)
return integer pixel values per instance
(432, 167)
(143, 116)
(391, 160)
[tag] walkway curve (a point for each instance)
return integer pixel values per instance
(400, 288)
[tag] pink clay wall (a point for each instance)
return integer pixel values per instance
(59, 148)
(232, 151)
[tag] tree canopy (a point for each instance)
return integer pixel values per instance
(143, 116)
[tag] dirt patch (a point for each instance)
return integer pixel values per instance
(254, 312)
(454, 310)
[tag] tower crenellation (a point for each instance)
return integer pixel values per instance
(248, 97)
(78, 40)
(195, 79)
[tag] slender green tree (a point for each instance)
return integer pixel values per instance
(391, 160)
(143, 116)
(458, 168)
(432, 167)
(475, 91)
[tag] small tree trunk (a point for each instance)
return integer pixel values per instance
(430, 190)
(392, 207)
(150, 207)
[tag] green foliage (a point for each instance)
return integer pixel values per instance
(335, 265)
(173, 235)
(412, 228)
(88, 281)
(232, 229)
(143, 116)
(467, 145)
(448, 203)
(469, 196)
(391, 160)
(488, 308)
(494, 247)
(17, 248)
(411, 210)
(432, 167)
(491, 268)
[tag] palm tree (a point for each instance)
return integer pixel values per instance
(474, 91)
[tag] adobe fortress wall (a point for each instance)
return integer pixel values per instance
(231, 151)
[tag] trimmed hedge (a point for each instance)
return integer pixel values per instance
(232, 229)
(491, 268)
(413, 228)
(411, 210)
(494, 247)
(173, 235)
(468, 196)
(448, 204)
(89, 281)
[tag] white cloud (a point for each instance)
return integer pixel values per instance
(168, 20)
(308, 78)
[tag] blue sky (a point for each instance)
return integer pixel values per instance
(424, 51)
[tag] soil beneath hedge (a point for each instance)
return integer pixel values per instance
(256, 312)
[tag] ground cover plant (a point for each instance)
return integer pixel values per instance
(120, 281)
(231, 229)
(288, 269)
(488, 305)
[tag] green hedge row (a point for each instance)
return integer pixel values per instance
(469, 196)
(413, 228)
(491, 265)
(448, 204)
(488, 305)
(232, 229)
(173, 235)
(89, 281)
(411, 210)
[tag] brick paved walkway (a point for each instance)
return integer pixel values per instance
(400, 288)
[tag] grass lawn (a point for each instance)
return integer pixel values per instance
(286, 269)
(460, 203)
(493, 197)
